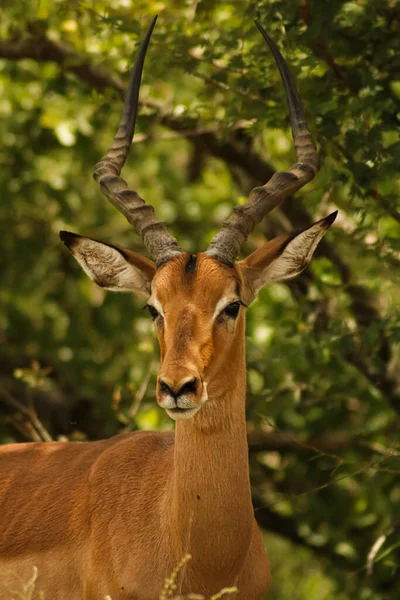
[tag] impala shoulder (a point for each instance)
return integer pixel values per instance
(134, 453)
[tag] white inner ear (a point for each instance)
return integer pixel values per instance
(109, 268)
(295, 257)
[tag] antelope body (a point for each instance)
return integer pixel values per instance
(115, 517)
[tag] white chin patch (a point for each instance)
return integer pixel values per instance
(180, 415)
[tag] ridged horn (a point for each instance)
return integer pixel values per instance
(226, 244)
(161, 245)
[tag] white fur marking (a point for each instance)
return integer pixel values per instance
(157, 305)
(223, 303)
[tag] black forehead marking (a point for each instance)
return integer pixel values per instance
(191, 264)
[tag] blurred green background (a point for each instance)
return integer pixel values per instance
(323, 367)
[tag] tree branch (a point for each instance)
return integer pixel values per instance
(36, 430)
(332, 443)
(321, 49)
(43, 49)
(287, 528)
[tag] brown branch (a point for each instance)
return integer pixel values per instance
(224, 86)
(379, 198)
(191, 133)
(36, 431)
(356, 568)
(329, 444)
(391, 210)
(42, 49)
(138, 397)
(322, 50)
(287, 528)
(215, 62)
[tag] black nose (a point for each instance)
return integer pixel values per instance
(189, 387)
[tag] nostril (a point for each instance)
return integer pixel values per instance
(189, 387)
(166, 389)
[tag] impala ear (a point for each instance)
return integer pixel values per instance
(116, 269)
(282, 258)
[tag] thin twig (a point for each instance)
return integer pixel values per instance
(191, 133)
(227, 88)
(41, 433)
(140, 393)
(377, 545)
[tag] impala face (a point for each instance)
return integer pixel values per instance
(194, 321)
(197, 303)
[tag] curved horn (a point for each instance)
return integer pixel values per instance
(226, 244)
(160, 244)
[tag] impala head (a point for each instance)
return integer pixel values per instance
(198, 302)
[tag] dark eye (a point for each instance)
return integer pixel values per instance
(232, 310)
(153, 312)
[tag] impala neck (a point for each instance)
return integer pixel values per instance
(210, 504)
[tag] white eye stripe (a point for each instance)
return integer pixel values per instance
(223, 303)
(154, 302)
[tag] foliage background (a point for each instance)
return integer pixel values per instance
(324, 382)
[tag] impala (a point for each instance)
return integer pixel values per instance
(114, 517)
